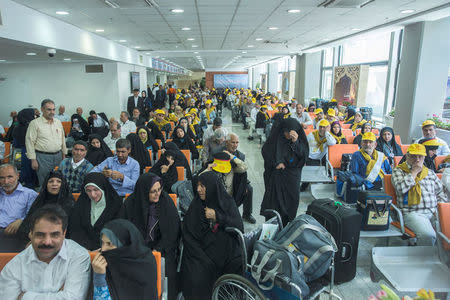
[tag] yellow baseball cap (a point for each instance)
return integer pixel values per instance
(253, 100)
(331, 112)
(160, 112)
(238, 92)
(264, 106)
(333, 100)
(432, 142)
(427, 123)
(318, 110)
(193, 109)
(324, 123)
(280, 105)
(369, 136)
(222, 161)
(209, 101)
(188, 115)
(417, 149)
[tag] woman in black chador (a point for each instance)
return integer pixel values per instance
(285, 153)
(209, 251)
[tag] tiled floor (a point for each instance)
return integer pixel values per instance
(360, 287)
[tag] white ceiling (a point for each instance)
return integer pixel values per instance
(222, 29)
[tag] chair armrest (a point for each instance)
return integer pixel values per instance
(400, 217)
(444, 237)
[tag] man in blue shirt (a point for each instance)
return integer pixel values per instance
(122, 171)
(369, 163)
(15, 201)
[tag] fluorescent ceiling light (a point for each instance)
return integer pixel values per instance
(137, 47)
(30, 53)
(250, 46)
(191, 39)
(99, 30)
(111, 4)
(122, 41)
(194, 46)
(356, 29)
(293, 11)
(258, 39)
(244, 52)
(185, 28)
(2, 60)
(148, 53)
(196, 52)
(407, 11)
(273, 28)
(177, 10)
(62, 13)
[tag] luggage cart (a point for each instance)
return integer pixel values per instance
(234, 286)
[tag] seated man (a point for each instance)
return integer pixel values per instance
(126, 124)
(418, 191)
(252, 121)
(161, 124)
(262, 119)
(121, 170)
(207, 115)
(15, 201)
(429, 131)
(318, 142)
(369, 163)
(76, 167)
(52, 267)
(217, 123)
(137, 118)
(213, 145)
(319, 116)
(114, 135)
(302, 117)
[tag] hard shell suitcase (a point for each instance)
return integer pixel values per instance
(344, 223)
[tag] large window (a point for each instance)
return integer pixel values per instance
(376, 88)
(368, 49)
(327, 83)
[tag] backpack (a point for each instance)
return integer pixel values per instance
(312, 240)
(185, 194)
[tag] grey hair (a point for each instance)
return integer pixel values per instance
(4, 166)
(126, 114)
(115, 123)
(219, 133)
(45, 101)
(231, 134)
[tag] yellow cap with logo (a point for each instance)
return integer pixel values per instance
(369, 136)
(428, 123)
(324, 123)
(417, 149)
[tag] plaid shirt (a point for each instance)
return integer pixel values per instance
(432, 191)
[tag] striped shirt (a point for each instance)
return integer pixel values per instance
(431, 186)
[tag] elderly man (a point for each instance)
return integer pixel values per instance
(318, 142)
(319, 116)
(74, 169)
(15, 201)
(79, 111)
(121, 170)
(137, 118)
(217, 123)
(302, 117)
(61, 114)
(370, 164)
(213, 145)
(52, 267)
(418, 191)
(98, 123)
(45, 141)
(159, 126)
(135, 102)
(125, 123)
(114, 135)
(429, 131)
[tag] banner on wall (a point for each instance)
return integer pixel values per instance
(285, 85)
(239, 81)
(264, 82)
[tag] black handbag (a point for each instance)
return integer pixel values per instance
(375, 207)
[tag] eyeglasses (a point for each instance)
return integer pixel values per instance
(156, 191)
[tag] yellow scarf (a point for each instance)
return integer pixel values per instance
(320, 141)
(372, 162)
(192, 128)
(160, 124)
(146, 138)
(355, 125)
(415, 193)
(338, 138)
(172, 118)
(208, 111)
(287, 115)
(265, 114)
(349, 119)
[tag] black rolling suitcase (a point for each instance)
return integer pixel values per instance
(344, 223)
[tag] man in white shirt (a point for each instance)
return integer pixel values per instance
(114, 134)
(302, 117)
(127, 125)
(61, 114)
(318, 141)
(429, 131)
(52, 267)
(252, 121)
(293, 106)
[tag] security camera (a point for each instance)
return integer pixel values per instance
(51, 52)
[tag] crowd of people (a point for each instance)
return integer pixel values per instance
(124, 170)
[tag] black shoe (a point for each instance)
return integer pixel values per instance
(249, 219)
(250, 138)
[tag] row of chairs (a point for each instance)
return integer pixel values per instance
(160, 269)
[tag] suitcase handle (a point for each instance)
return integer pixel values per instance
(347, 249)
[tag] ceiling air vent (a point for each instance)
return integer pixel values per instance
(94, 68)
(344, 3)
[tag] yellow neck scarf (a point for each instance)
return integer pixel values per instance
(372, 162)
(415, 193)
(208, 111)
(338, 138)
(265, 114)
(319, 140)
(160, 124)
(192, 128)
(355, 125)
(349, 119)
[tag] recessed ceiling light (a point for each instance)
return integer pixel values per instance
(186, 28)
(293, 11)
(30, 53)
(177, 10)
(325, 39)
(191, 39)
(407, 11)
(148, 53)
(258, 39)
(99, 30)
(122, 41)
(62, 13)
(356, 29)
(273, 28)
(67, 59)
(137, 47)
(244, 52)
(250, 46)
(194, 46)
(196, 52)
(2, 60)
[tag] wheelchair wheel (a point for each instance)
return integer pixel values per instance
(235, 287)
